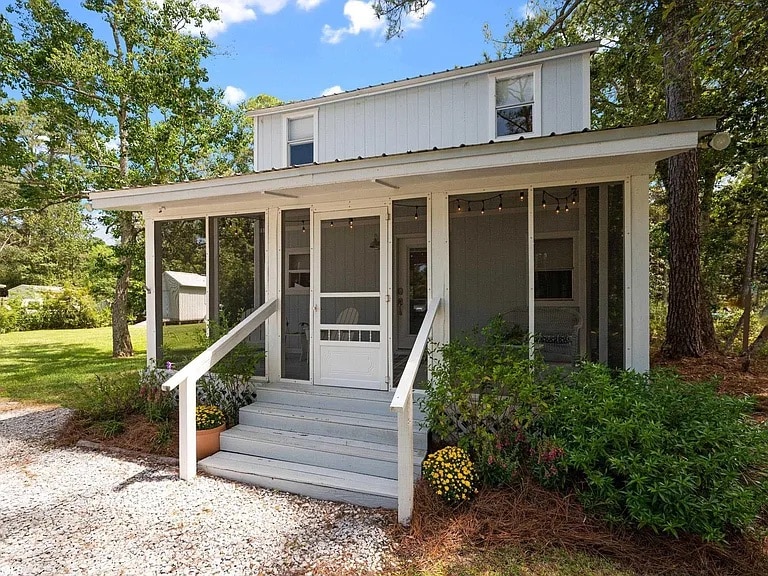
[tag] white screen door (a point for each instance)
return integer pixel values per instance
(349, 303)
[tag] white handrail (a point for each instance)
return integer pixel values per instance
(186, 379)
(402, 403)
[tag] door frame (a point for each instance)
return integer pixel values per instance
(384, 326)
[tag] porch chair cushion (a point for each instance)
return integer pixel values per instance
(556, 331)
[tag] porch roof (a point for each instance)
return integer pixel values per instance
(423, 170)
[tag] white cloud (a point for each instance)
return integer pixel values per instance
(332, 90)
(308, 4)
(238, 11)
(233, 95)
(361, 18)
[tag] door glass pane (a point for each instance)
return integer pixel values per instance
(350, 311)
(295, 289)
(417, 272)
(350, 255)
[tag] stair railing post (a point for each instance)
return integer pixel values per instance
(405, 461)
(187, 429)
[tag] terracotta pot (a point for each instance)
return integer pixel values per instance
(208, 441)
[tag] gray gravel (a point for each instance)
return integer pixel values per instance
(70, 511)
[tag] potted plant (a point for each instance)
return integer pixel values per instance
(210, 424)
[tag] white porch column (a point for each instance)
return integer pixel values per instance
(272, 330)
(152, 289)
(636, 273)
(438, 255)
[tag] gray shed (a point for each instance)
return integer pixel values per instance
(183, 297)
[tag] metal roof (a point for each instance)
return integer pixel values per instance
(186, 279)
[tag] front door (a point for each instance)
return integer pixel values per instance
(411, 296)
(350, 299)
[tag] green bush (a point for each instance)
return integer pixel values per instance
(10, 313)
(70, 308)
(158, 404)
(111, 397)
(486, 395)
(653, 451)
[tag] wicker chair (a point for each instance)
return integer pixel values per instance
(557, 331)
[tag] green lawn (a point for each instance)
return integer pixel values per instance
(48, 365)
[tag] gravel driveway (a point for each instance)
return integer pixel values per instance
(70, 511)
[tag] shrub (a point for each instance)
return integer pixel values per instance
(70, 308)
(653, 451)
(158, 404)
(486, 395)
(451, 474)
(208, 417)
(110, 397)
(10, 313)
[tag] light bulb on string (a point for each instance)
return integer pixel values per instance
(331, 223)
(500, 204)
(557, 210)
(522, 195)
(482, 209)
(458, 203)
(543, 201)
(416, 213)
(350, 223)
(303, 228)
(566, 205)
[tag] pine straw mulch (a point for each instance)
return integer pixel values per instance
(728, 370)
(139, 435)
(532, 518)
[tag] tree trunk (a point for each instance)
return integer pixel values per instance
(121, 337)
(689, 323)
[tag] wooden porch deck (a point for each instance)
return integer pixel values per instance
(324, 442)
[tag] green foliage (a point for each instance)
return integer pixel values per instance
(653, 451)
(10, 312)
(486, 395)
(110, 397)
(71, 308)
(451, 474)
(110, 428)
(158, 404)
(164, 434)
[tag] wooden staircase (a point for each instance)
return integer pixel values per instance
(324, 442)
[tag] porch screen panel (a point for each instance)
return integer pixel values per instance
(182, 290)
(237, 278)
(489, 261)
(295, 301)
(558, 274)
(615, 273)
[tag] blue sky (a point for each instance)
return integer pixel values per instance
(297, 49)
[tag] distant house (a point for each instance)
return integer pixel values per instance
(32, 293)
(183, 297)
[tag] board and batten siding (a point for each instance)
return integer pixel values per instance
(440, 114)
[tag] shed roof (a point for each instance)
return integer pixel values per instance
(186, 279)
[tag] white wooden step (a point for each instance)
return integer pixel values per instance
(326, 422)
(342, 399)
(313, 481)
(338, 453)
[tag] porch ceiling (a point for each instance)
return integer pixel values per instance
(493, 165)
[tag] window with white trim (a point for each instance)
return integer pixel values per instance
(553, 267)
(301, 140)
(514, 105)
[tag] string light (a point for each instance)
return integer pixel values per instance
(331, 223)
(416, 213)
(500, 204)
(557, 210)
(350, 223)
(303, 228)
(562, 202)
(482, 210)
(570, 199)
(458, 203)
(522, 195)
(566, 205)
(543, 201)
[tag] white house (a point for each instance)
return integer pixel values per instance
(184, 297)
(416, 208)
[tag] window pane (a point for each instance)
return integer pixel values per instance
(553, 254)
(301, 128)
(350, 310)
(351, 261)
(517, 120)
(301, 154)
(554, 284)
(514, 91)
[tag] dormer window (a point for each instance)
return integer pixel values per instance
(515, 105)
(301, 140)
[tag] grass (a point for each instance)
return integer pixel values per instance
(48, 365)
(509, 561)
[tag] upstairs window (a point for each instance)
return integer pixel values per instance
(514, 105)
(301, 140)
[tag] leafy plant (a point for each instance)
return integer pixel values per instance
(110, 397)
(110, 428)
(158, 404)
(208, 417)
(486, 395)
(451, 474)
(164, 434)
(653, 451)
